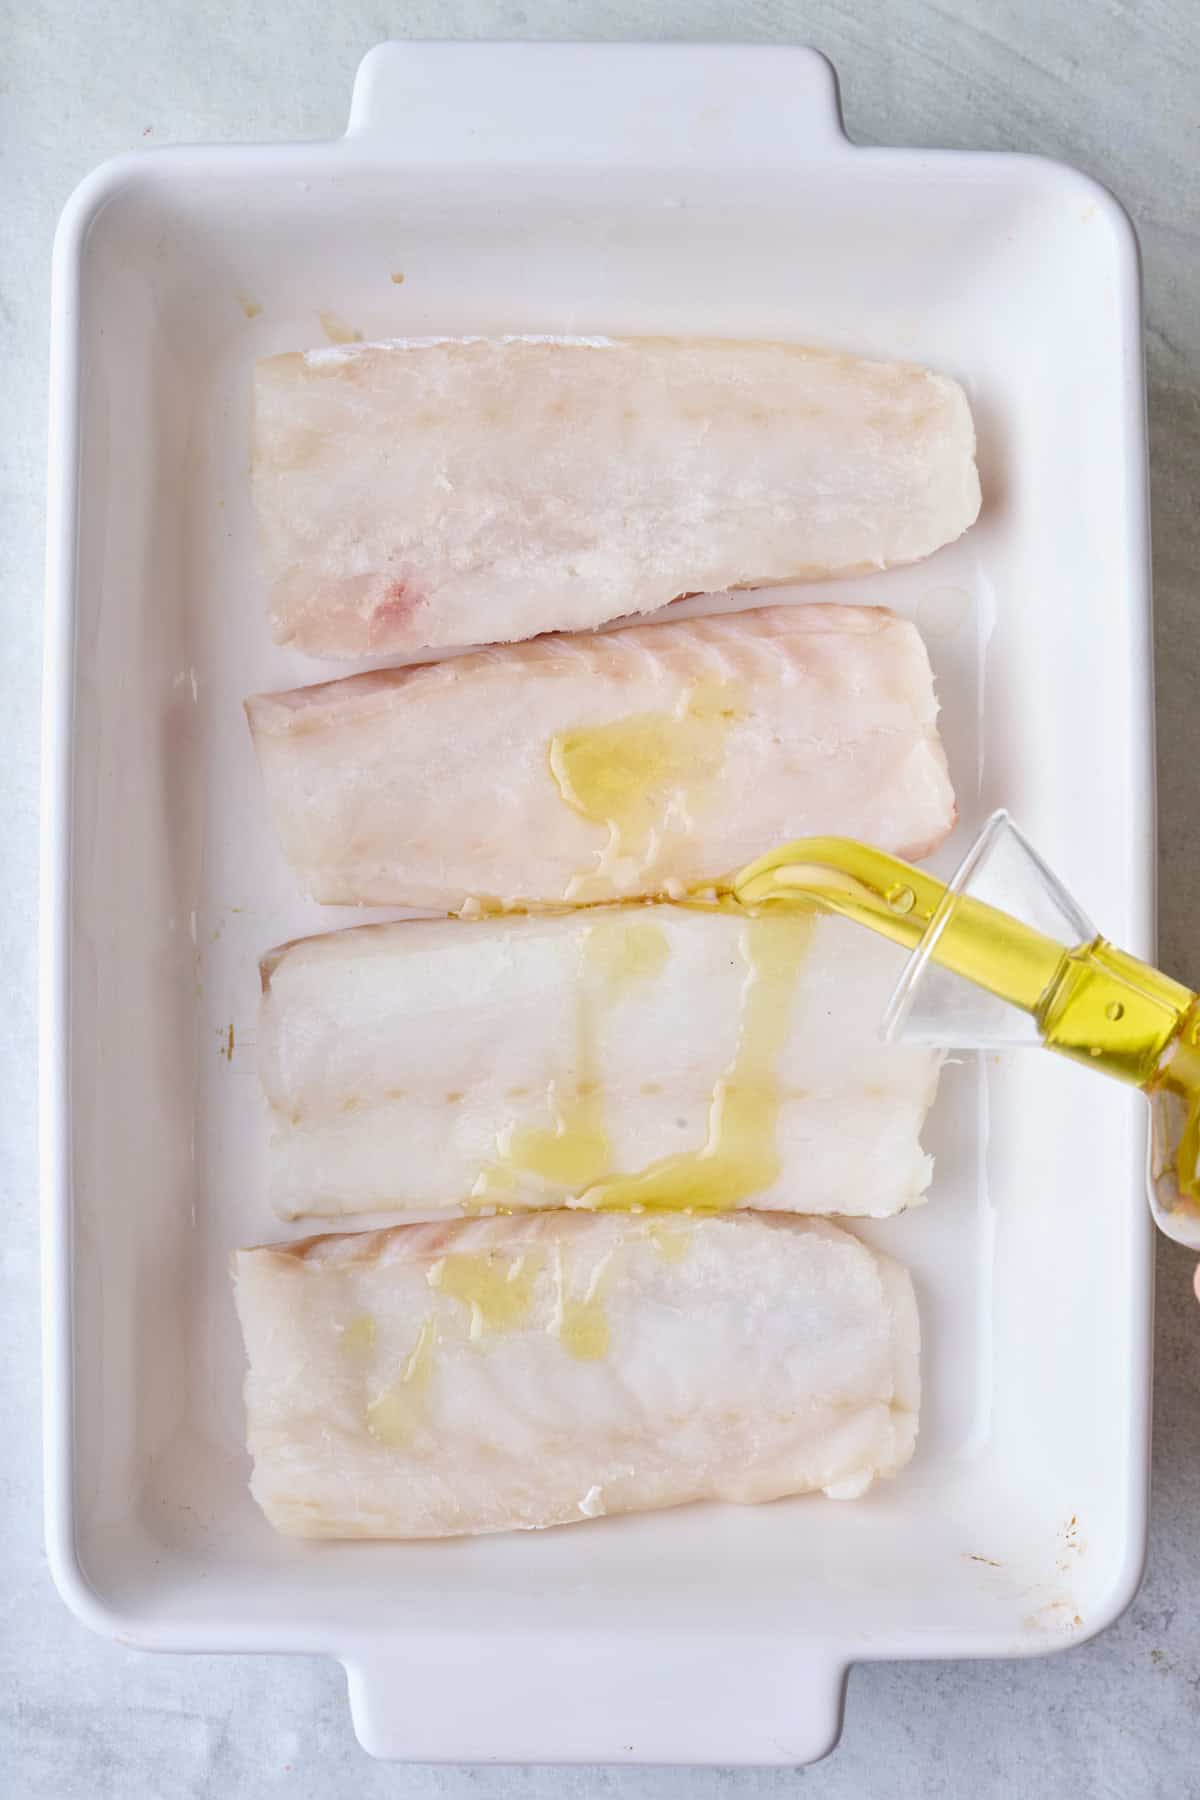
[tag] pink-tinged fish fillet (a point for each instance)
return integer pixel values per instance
(718, 737)
(528, 1061)
(513, 1373)
(476, 490)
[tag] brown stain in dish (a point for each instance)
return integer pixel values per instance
(337, 330)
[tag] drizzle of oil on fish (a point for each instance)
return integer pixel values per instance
(637, 761)
(623, 1056)
(762, 1356)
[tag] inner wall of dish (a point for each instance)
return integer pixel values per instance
(1025, 1285)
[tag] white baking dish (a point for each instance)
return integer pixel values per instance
(562, 189)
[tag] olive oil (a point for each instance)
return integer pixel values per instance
(497, 1289)
(623, 955)
(583, 1332)
(396, 1414)
(643, 777)
(1089, 1001)
(569, 1154)
(575, 1151)
(672, 1241)
(739, 1157)
(358, 1337)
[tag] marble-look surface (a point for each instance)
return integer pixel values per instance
(1110, 85)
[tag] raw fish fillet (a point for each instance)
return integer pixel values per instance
(460, 491)
(591, 768)
(615, 1056)
(495, 1374)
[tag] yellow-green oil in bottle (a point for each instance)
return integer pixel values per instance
(1090, 1001)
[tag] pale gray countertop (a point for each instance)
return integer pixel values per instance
(1109, 85)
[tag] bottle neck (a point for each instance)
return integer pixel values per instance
(1113, 1012)
(1175, 1108)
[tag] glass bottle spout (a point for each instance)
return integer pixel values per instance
(1002, 956)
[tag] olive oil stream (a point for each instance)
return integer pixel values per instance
(1090, 1001)
(642, 778)
(738, 1158)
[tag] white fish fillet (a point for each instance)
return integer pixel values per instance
(713, 739)
(414, 495)
(495, 1374)
(527, 1061)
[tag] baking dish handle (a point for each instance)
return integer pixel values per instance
(623, 1698)
(604, 105)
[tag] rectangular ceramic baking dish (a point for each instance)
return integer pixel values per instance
(623, 189)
